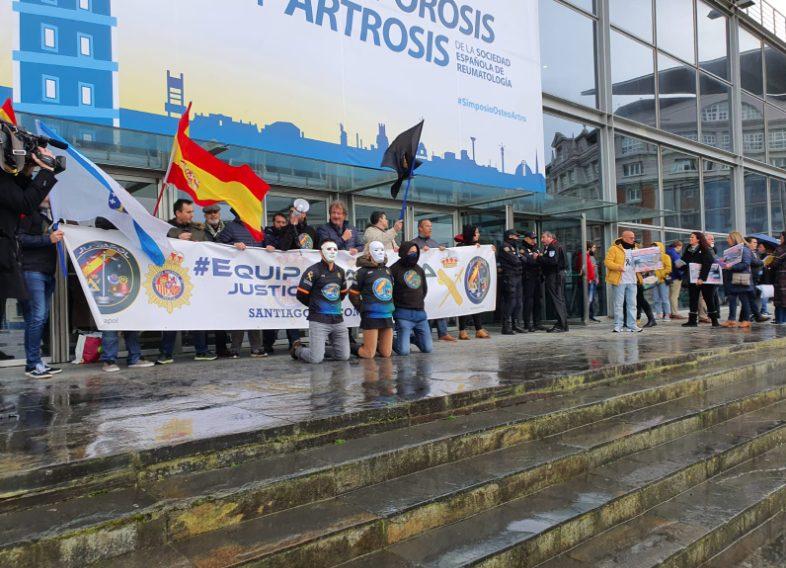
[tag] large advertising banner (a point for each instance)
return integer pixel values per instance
(335, 80)
(213, 286)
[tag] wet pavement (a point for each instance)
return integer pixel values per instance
(84, 413)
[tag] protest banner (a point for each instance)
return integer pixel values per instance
(213, 286)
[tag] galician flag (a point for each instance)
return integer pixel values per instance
(84, 191)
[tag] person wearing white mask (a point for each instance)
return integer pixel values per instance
(372, 295)
(322, 289)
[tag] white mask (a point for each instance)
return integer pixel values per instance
(377, 250)
(330, 252)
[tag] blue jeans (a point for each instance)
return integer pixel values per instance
(110, 345)
(624, 294)
(410, 322)
(660, 299)
(35, 311)
(442, 327)
(168, 342)
(592, 294)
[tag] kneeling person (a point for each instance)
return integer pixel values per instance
(372, 295)
(321, 289)
(409, 295)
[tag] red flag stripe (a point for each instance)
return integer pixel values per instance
(8, 110)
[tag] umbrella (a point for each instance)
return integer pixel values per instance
(765, 239)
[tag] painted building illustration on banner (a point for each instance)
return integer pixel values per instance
(136, 65)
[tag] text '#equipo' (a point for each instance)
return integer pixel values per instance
(358, 21)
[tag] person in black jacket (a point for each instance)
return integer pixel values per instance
(20, 194)
(322, 288)
(511, 267)
(298, 234)
(372, 296)
(409, 296)
(532, 284)
(553, 263)
(699, 251)
(38, 242)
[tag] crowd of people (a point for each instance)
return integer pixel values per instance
(391, 299)
(746, 282)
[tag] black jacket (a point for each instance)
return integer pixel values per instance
(553, 260)
(509, 259)
(372, 292)
(705, 257)
(39, 254)
(409, 281)
(19, 195)
(530, 265)
(322, 291)
(300, 236)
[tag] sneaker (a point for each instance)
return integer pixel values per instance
(256, 354)
(52, 370)
(110, 367)
(636, 329)
(165, 360)
(617, 330)
(447, 337)
(141, 364)
(38, 374)
(233, 355)
(206, 356)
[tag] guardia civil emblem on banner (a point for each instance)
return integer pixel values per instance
(477, 279)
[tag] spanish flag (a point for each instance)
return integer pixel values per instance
(7, 112)
(208, 180)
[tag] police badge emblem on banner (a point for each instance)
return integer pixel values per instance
(213, 286)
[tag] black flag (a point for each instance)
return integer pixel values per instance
(400, 156)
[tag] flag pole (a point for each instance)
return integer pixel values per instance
(406, 196)
(163, 182)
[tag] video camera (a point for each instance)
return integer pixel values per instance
(17, 146)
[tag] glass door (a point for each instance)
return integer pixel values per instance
(443, 229)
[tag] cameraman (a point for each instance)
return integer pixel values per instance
(19, 195)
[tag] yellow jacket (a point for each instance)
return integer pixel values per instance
(664, 272)
(615, 264)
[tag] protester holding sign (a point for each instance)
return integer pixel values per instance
(622, 276)
(699, 253)
(737, 279)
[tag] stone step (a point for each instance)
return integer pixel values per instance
(763, 546)
(742, 505)
(542, 528)
(326, 532)
(66, 479)
(203, 502)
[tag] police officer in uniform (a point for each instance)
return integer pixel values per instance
(510, 267)
(553, 263)
(531, 282)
